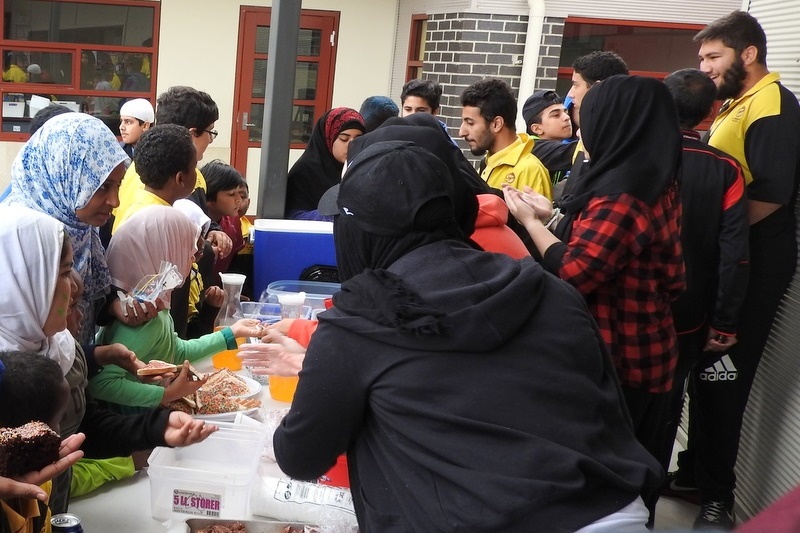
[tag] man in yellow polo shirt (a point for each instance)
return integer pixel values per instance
(487, 124)
(759, 125)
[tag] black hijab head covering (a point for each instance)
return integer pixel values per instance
(629, 127)
(395, 197)
(317, 170)
(423, 129)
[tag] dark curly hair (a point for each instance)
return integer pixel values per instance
(162, 152)
(494, 98)
(30, 388)
(186, 107)
(428, 90)
(737, 30)
(599, 66)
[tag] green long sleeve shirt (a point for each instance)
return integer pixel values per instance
(155, 339)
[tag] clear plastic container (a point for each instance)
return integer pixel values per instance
(212, 478)
(316, 291)
(268, 313)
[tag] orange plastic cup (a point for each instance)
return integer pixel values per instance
(227, 358)
(282, 388)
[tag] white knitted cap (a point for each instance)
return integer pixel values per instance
(138, 108)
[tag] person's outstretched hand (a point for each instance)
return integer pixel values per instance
(26, 486)
(277, 355)
(183, 430)
(248, 327)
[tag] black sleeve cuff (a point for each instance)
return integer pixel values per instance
(554, 257)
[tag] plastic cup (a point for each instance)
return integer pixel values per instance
(227, 358)
(282, 388)
(292, 304)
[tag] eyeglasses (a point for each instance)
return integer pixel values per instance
(212, 133)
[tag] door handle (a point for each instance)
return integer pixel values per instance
(246, 124)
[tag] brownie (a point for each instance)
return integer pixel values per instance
(27, 448)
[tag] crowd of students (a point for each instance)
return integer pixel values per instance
(61, 282)
(534, 388)
(668, 238)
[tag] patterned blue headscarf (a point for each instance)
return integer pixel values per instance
(57, 172)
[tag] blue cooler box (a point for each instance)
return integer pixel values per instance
(284, 248)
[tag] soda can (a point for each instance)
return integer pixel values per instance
(66, 523)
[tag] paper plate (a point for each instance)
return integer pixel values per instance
(253, 385)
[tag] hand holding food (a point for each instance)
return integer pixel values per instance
(135, 313)
(156, 367)
(222, 392)
(248, 327)
(26, 485)
(185, 384)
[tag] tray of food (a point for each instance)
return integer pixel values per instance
(223, 396)
(205, 525)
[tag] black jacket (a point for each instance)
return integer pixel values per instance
(510, 420)
(714, 237)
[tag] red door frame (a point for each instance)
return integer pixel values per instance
(249, 19)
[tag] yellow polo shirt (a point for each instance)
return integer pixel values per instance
(141, 198)
(132, 183)
(729, 130)
(517, 166)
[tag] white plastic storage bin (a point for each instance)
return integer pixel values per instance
(13, 109)
(210, 479)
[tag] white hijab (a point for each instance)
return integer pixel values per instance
(153, 234)
(195, 214)
(29, 267)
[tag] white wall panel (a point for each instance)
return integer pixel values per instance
(769, 457)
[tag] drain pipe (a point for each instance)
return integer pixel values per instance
(530, 60)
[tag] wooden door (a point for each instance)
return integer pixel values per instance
(313, 82)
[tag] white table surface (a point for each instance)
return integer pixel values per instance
(124, 506)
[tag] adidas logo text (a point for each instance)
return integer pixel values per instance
(722, 370)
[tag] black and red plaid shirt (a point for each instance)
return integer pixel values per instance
(625, 258)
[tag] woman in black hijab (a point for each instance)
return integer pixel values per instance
(619, 239)
(320, 166)
(424, 130)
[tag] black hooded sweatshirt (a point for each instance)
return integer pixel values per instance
(510, 418)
